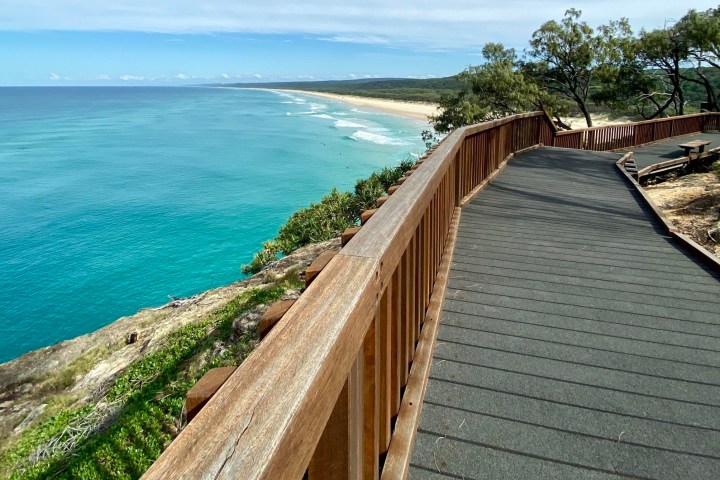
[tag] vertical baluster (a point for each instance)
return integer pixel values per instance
(371, 402)
(409, 304)
(339, 453)
(396, 338)
(384, 332)
(417, 296)
(426, 261)
(404, 317)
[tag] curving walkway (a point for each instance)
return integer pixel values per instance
(577, 339)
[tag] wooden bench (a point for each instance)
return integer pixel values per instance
(689, 146)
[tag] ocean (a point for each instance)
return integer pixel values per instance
(115, 199)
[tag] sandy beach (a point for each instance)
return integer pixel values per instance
(418, 111)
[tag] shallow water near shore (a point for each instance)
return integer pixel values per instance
(114, 199)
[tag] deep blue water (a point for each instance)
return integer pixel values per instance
(112, 199)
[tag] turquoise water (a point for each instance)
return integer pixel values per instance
(112, 199)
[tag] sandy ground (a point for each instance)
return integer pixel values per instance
(418, 111)
(598, 121)
(692, 203)
(422, 111)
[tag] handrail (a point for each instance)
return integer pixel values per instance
(625, 135)
(320, 391)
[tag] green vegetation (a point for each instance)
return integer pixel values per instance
(573, 68)
(715, 167)
(568, 56)
(122, 435)
(328, 218)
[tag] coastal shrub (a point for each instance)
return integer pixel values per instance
(716, 169)
(318, 222)
(327, 219)
(151, 392)
(367, 190)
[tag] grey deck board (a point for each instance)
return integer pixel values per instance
(577, 339)
(668, 149)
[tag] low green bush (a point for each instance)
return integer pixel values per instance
(327, 219)
(715, 167)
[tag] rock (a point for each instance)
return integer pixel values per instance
(132, 337)
(248, 321)
(35, 413)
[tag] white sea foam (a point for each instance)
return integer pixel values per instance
(317, 106)
(323, 115)
(348, 124)
(376, 138)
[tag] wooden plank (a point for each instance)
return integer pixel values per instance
(365, 216)
(348, 235)
(397, 461)
(339, 452)
(403, 318)
(314, 269)
(204, 389)
(394, 302)
(385, 376)
(417, 267)
(409, 305)
(371, 403)
(265, 421)
(272, 316)
(332, 454)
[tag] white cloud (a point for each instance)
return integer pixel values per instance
(131, 78)
(464, 24)
(257, 75)
(54, 76)
(225, 76)
(182, 76)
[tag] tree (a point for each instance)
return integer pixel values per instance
(631, 88)
(701, 31)
(665, 50)
(496, 89)
(569, 55)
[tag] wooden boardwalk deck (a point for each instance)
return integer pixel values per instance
(577, 339)
(668, 149)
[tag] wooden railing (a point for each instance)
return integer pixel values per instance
(321, 392)
(335, 389)
(626, 135)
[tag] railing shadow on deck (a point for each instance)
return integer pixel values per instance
(321, 393)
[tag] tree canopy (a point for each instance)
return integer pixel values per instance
(571, 66)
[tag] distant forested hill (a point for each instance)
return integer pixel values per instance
(409, 89)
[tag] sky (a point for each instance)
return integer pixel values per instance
(177, 42)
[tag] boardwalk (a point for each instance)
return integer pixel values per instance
(577, 339)
(668, 149)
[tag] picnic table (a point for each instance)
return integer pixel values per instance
(689, 146)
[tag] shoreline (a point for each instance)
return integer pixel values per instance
(416, 111)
